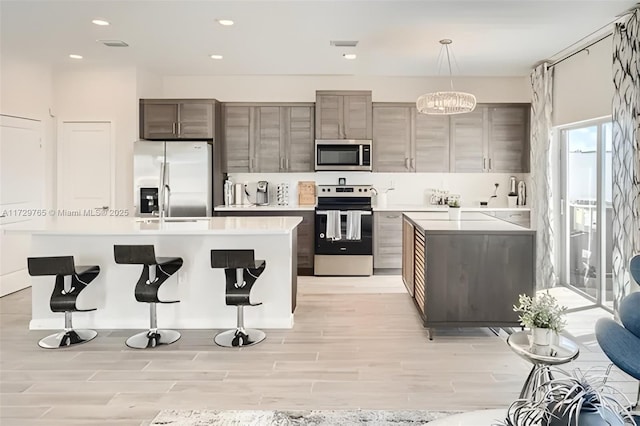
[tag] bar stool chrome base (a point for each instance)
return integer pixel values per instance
(239, 337)
(66, 338)
(152, 338)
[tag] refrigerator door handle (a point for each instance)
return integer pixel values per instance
(167, 201)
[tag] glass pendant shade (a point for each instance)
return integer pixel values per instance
(446, 103)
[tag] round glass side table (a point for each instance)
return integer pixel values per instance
(560, 351)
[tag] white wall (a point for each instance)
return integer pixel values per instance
(104, 95)
(303, 88)
(583, 85)
(26, 91)
(410, 188)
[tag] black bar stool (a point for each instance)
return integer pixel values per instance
(241, 271)
(63, 298)
(146, 290)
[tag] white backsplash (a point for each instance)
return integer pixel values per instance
(410, 188)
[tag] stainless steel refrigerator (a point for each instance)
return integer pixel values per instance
(173, 179)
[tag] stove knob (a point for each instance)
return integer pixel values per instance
(323, 189)
(365, 190)
(321, 235)
(360, 190)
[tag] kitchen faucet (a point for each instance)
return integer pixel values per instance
(495, 193)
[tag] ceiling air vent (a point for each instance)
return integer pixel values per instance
(113, 43)
(344, 43)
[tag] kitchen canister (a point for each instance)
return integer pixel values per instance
(282, 194)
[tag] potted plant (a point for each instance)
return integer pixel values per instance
(454, 209)
(542, 315)
(571, 400)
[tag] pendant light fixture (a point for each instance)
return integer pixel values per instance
(446, 103)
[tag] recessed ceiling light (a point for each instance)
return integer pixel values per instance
(215, 56)
(73, 56)
(349, 55)
(225, 22)
(100, 22)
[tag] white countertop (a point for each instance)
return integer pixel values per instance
(234, 208)
(470, 221)
(436, 208)
(271, 225)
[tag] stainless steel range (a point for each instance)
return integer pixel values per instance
(344, 230)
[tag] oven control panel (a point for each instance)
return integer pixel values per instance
(344, 191)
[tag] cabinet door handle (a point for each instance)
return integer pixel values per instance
(484, 163)
(392, 217)
(173, 128)
(179, 127)
(250, 164)
(406, 164)
(282, 164)
(286, 163)
(413, 164)
(489, 164)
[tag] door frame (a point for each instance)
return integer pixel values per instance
(60, 150)
(599, 122)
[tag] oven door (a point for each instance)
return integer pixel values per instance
(363, 246)
(343, 155)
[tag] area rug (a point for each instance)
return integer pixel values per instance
(289, 418)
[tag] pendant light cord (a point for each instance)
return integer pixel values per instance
(446, 47)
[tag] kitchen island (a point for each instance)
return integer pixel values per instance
(466, 273)
(199, 288)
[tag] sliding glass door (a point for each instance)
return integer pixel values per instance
(586, 211)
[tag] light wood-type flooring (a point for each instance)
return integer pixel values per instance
(356, 343)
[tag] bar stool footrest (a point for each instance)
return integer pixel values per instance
(152, 338)
(67, 338)
(239, 337)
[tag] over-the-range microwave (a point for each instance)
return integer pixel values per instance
(343, 154)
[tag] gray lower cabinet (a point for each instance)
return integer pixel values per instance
(522, 218)
(387, 240)
(269, 138)
(343, 114)
(305, 236)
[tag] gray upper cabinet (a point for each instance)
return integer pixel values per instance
(407, 141)
(468, 141)
(239, 132)
(344, 115)
(493, 138)
(171, 119)
(509, 139)
(431, 142)
(267, 145)
(269, 138)
(297, 141)
(392, 138)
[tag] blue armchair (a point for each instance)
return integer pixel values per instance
(621, 343)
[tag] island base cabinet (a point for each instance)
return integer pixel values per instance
(474, 280)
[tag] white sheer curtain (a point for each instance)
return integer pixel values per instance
(626, 151)
(541, 106)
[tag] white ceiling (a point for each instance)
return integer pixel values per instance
(396, 38)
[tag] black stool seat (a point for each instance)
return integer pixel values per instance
(63, 298)
(146, 289)
(241, 272)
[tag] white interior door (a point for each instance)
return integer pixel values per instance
(85, 172)
(21, 195)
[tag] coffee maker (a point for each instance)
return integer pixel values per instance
(262, 193)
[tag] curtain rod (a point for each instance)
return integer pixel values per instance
(609, 33)
(580, 50)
